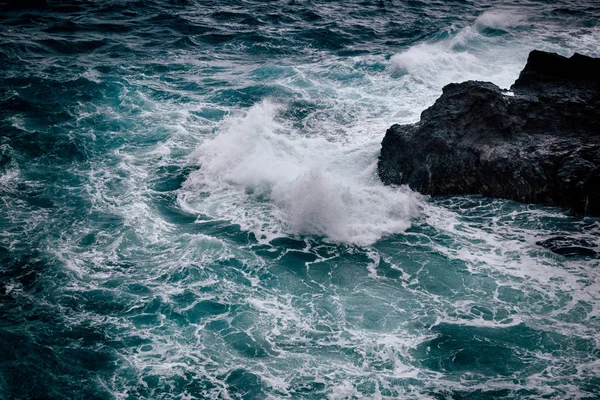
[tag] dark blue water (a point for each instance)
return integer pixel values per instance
(189, 207)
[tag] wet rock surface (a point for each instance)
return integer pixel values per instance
(537, 143)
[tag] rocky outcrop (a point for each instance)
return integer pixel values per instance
(537, 143)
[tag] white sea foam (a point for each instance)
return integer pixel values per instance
(470, 54)
(273, 181)
(463, 56)
(500, 19)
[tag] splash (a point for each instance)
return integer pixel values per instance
(272, 181)
(499, 20)
(465, 54)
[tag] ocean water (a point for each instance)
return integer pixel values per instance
(189, 207)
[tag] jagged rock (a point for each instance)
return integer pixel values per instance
(538, 143)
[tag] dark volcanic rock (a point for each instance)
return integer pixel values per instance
(570, 247)
(539, 143)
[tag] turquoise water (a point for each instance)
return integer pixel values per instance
(190, 207)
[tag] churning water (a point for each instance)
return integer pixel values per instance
(190, 207)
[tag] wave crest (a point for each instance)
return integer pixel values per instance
(274, 182)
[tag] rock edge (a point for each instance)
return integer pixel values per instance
(538, 143)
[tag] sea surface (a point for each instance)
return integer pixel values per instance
(190, 209)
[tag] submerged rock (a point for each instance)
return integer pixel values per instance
(570, 247)
(538, 143)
